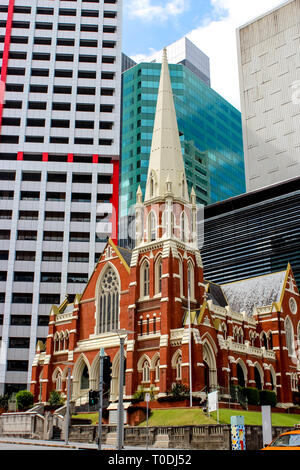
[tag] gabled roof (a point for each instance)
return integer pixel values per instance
(123, 253)
(245, 295)
(216, 294)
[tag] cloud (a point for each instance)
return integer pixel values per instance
(216, 37)
(145, 9)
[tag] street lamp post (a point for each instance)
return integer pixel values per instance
(120, 422)
(102, 354)
(190, 346)
(67, 417)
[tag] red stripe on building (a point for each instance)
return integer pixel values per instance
(7, 39)
(114, 200)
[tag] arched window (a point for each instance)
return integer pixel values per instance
(157, 370)
(183, 227)
(240, 375)
(85, 379)
(58, 382)
(181, 276)
(270, 340)
(183, 188)
(158, 274)
(145, 279)
(56, 342)
(109, 302)
(257, 378)
(61, 341)
(151, 186)
(224, 329)
(178, 368)
(190, 276)
(264, 340)
(289, 336)
(146, 371)
(152, 227)
(66, 346)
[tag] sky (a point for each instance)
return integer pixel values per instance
(149, 25)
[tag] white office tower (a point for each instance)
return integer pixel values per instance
(59, 161)
(185, 52)
(268, 50)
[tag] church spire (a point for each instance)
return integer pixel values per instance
(166, 160)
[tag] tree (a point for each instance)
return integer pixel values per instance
(24, 400)
(4, 402)
(55, 398)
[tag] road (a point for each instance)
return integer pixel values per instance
(11, 446)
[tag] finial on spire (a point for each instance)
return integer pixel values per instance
(193, 196)
(139, 195)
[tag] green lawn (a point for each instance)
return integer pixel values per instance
(187, 417)
(178, 417)
(254, 417)
(92, 416)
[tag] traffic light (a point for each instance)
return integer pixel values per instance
(107, 369)
(93, 397)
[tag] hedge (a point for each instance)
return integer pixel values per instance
(268, 398)
(252, 395)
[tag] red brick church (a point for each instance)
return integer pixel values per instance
(246, 332)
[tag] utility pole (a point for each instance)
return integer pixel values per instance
(102, 354)
(190, 344)
(120, 402)
(67, 417)
(68, 407)
(120, 422)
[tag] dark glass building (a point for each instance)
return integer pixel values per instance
(253, 234)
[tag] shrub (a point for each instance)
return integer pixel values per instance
(4, 402)
(252, 395)
(268, 398)
(139, 395)
(180, 390)
(55, 398)
(24, 400)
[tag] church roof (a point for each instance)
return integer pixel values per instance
(245, 295)
(126, 254)
(216, 294)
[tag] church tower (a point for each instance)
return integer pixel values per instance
(166, 269)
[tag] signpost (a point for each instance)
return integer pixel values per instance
(213, 403)
(266, 425)
(102, 355)
(67, 416)
(147, 399)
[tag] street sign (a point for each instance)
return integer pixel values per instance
(147, 397)
(266, 425)
(212, 401)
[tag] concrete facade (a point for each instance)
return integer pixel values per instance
(59, 161)
(269, 85)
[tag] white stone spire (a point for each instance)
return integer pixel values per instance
(166, 160)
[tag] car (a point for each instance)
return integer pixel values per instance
(286, 441)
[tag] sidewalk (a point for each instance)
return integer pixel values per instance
(53, 444)
(71, 445)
